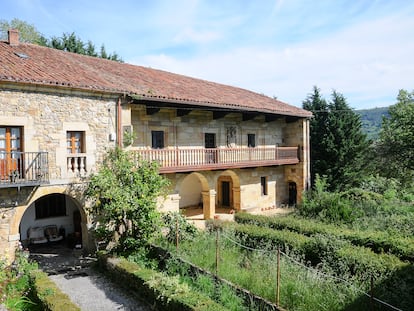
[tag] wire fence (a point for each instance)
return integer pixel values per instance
(223, 241)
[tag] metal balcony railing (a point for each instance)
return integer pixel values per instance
(23, 169)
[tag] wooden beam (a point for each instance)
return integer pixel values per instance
(271, 117)
(249, 116)
(151, 111)
(183, 112)
(219, 114)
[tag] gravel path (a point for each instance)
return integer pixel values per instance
(86, 287)
(91, 291)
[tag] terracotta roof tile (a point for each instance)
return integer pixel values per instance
(46, 66)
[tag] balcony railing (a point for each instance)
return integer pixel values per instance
(190, 159)
(23, 169)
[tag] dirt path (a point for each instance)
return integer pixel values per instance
(86, 287)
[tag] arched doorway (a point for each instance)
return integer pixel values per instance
(192, 190)
(293, 193)
(53, 218)
(228, 190)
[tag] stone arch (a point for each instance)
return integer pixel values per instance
(198, 193)
(20, 214)
(233, 181)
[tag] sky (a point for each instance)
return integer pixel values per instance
(363, 49)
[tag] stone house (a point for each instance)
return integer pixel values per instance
(220, 146)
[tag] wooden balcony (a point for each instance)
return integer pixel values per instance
(192, 159)
(23, 169)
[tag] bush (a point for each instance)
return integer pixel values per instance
(377, 241)
(166, 292)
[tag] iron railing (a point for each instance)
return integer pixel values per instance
(23, 168)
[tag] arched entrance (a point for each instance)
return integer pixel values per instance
(228, 190)
(51, 214)
(293, 193)
(195, 195)
(54, 217)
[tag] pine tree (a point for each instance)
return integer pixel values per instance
(337, 142)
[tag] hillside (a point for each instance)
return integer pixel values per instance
(372, 120)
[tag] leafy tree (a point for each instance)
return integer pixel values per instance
(125, 193)
(396, 142)
(337, 142)
(68, 42)
(28, 33)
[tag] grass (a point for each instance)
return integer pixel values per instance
(301, 289)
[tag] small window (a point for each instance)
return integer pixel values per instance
(263, 183)
(75, 142)
(157, 139)
(52, 205)
(251, 140)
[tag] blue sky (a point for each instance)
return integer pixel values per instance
(363, 49)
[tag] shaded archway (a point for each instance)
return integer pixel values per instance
(228, 190)
(51, 207)
(195, 194)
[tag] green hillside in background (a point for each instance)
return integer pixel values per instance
(372, 120)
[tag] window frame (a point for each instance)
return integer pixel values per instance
(264, 185)
(72, 139)
(50, 206)
(251, 140)
(157, 139)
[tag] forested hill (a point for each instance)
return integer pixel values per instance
(371, 120)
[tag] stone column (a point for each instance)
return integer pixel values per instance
(236, 198)
(209, 204)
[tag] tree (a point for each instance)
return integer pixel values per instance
(396, 140)
(68, 42)
(28, 33)
(336, 140)
(125, 193)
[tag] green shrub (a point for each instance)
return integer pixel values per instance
(155, 286)
(378, 241)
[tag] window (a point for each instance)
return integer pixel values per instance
(75, 142)
(10, 147)
(251, 140)
(209, 140)
(52, 205)
(157, 139)
(263, 183)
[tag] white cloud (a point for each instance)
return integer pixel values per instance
(368, 62)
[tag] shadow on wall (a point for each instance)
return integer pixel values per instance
(397, 290)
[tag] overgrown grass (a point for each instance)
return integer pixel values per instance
(301, 289)
(16, 288)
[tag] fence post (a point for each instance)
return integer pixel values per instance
(176, 235)
(217, 251)
(371, 294)
(278, 278)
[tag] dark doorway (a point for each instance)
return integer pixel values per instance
(210, 143)
(225, 193)
(292, 194)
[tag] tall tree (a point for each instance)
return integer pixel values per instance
(396, 142)
(28, 32)
(337, 142)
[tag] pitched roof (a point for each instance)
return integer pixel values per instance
(33, 64)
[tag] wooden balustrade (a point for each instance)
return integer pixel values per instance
(188, 159)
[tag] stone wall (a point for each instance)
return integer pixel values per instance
(45, 117)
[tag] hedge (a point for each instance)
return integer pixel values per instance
(51, 297)
(341, 256)
(379, 242)
(136, 278)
